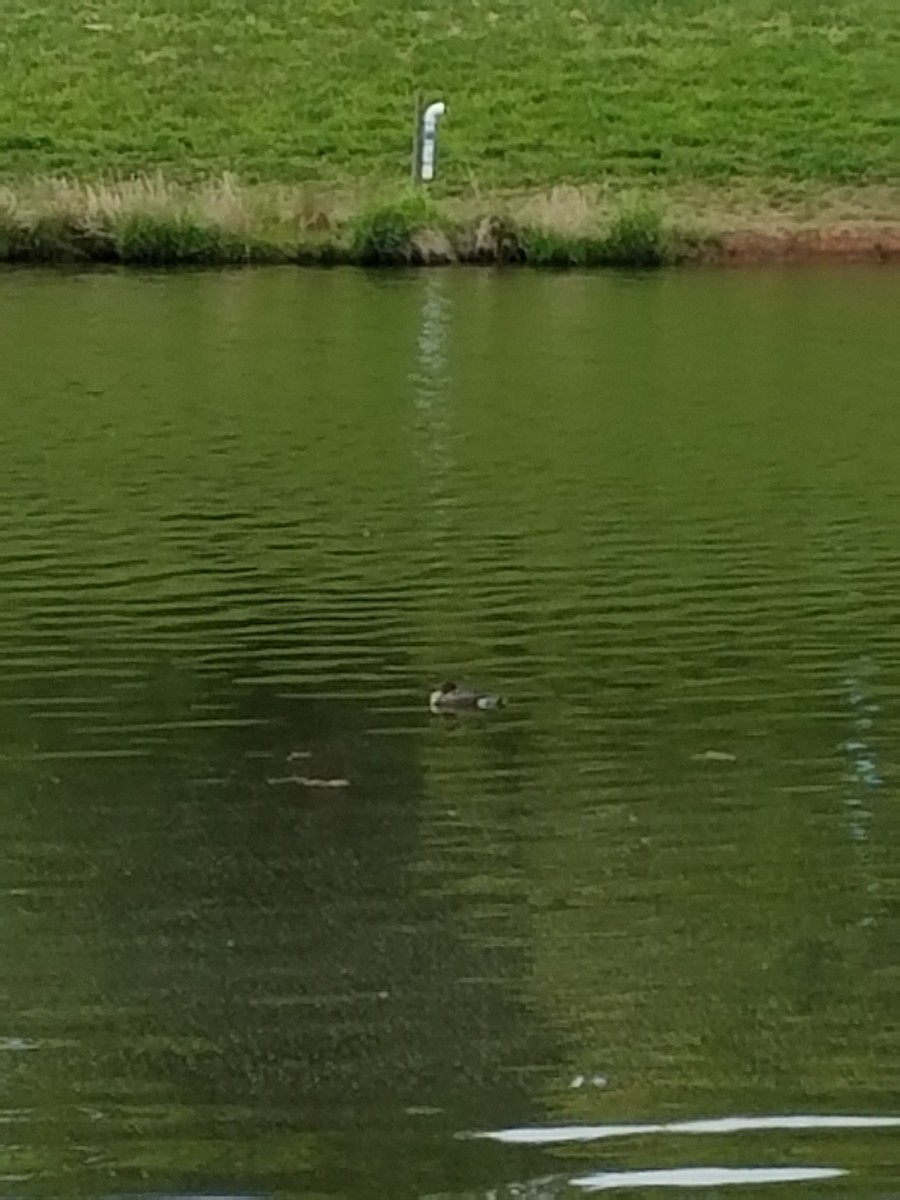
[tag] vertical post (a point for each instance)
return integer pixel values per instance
(430, 118)
(417, 139)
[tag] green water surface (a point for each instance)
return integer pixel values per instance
(268, 927)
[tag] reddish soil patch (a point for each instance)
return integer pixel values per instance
(873, 244)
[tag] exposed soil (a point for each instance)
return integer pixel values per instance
(877, 243)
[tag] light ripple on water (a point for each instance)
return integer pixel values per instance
(555, 1134)
(702, 1177)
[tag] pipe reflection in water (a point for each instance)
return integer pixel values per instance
(863, 776)
(864, 773)
(430, 383)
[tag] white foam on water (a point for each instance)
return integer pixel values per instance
(554, 1134)
(700, 1177)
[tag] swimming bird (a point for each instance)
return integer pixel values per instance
(450, 697)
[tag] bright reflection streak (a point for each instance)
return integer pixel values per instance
(589, 1133)
(699, 1177)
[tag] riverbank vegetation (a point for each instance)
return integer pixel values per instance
(151, 221)
(609, 130)
(147, 221)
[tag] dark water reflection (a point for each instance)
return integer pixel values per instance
(268, 927)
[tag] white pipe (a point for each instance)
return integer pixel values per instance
(429, 138)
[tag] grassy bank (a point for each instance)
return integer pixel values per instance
(149, 221)
(539, 92)
(614, 131)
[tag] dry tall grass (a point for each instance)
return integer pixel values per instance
(224, 202)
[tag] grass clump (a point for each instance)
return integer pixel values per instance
(548, 248)
(158, 240)
(636, 237)
(148, 220)
(385, 234)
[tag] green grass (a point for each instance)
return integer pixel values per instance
(538, 92)
(152, 222)
(212, 131)
(636, 237)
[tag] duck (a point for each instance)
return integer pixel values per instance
(450, 697)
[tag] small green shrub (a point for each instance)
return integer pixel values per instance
(636, 238)
(383, 235)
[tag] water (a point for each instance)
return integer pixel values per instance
(270, 928)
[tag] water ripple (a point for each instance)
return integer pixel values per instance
(551, 1135)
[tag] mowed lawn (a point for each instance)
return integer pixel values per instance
(538, 92)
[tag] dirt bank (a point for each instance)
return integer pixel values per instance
(879, 244)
